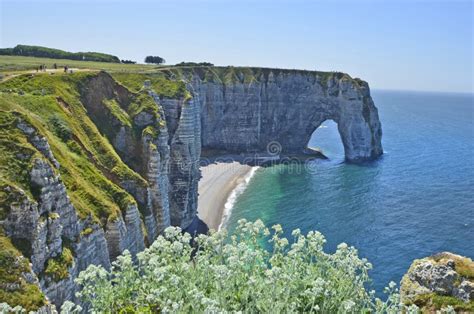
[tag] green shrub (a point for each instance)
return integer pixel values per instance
(86, 231)
(163, 86)
(57, 267)
(60, 128)
(228, 274)
(13, 268)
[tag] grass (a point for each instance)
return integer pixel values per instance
(464, 266)
(12, 266)
(10, 64)
(16, 158)
(143, 103)
(87, 231)
(117, 111)
(246, 75)
(162, 85)
(165, 78)
(431, 302)
(90, 167)
(57, 268)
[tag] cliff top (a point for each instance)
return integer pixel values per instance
(13, 65)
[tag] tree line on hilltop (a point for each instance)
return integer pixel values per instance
(44, 52)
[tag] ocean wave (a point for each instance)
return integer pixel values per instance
(236, 192)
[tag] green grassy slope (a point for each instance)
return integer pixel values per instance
(160, 83)
(9, 64)
(90, 167)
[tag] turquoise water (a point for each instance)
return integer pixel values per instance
(417, 200)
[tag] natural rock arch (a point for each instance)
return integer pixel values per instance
(286, 107)
(318, 140)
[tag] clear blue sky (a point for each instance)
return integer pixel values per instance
(409, 45)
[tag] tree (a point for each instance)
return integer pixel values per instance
(194, 64)
(154, 59)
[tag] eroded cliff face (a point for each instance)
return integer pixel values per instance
(252, 110)
(140, 137)
(47, 226)
(184, 125)
(142, 149)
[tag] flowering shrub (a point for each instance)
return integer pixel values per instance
(219, 274)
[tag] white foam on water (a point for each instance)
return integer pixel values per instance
(236, 192)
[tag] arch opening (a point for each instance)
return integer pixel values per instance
(327, 139)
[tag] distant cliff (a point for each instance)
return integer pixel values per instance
(244, 110)
(93, 164)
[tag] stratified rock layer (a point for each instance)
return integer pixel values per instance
(278, 111)
(44, 226)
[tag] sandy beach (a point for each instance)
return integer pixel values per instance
(216, 185)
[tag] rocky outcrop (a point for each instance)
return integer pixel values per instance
(141, 139)
(125, 233)
(157, 149)
(255, 110)
(184, 127)
(48, 224)
(440, 280)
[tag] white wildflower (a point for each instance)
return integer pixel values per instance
(348, 305)
(296, 232)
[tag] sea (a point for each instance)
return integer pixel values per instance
(415, 201)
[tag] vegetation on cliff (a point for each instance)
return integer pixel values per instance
(168, 80)
(53, 109)
(90, 168)
(57, 267)
(11, 65)
(444, 279)
(162, 85)
(16, 285)
(16, 158)
(246, 75)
